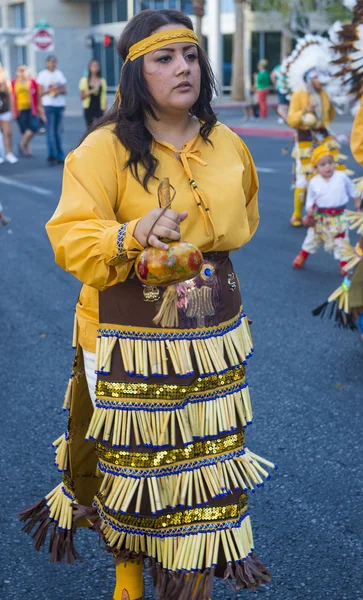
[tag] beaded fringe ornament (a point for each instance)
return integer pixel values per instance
(146, 352)
(337, 305)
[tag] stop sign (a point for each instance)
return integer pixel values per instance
(43, 39)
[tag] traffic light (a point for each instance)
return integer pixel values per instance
(107, 41)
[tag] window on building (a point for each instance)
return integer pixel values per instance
(186, 6)
(108, 11)
(266, 44)
(110, 62)
(18, 15)
(273, 48)
(95, 13)
(121, 10)
(227, 59)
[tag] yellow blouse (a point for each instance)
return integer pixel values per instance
(356, 140)
(99, 193)
(299, 102)
(22, 91)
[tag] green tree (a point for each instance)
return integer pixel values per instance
(291, 9)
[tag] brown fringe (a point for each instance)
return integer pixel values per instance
(248, 574)
(61, 547)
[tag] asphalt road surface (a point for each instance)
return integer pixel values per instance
(306, 386)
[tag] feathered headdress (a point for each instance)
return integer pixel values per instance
(312, 55)
(349, 49)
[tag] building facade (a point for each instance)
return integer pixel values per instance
(86, 29)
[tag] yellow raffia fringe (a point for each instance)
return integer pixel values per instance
(169, 491)
(168, 312)
(341, 295)
(352, 256)
(157, 428)
(355, 220)
(60, 507)
(61, 452)
(68, 395)
(148, 357)
(359, 185)
(186, 552)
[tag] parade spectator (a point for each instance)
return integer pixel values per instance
(279, 82)
(6, 118)
(53, 89)
(26, 107)
(263, 85)
(250, 104)
(93, 92)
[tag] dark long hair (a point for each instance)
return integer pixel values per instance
(99, 72)
(128, 116)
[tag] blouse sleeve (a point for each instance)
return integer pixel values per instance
(295, 113)
(87, 239)
(250, 186)
(310, 196)
(356, 142)
(350, 187)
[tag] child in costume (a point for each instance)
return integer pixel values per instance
(345, 304)
(328, 194)
(308, 75)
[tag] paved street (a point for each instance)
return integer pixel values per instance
(306, 388)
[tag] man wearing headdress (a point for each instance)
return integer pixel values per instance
(310, 113)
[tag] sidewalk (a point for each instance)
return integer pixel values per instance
(233, 116)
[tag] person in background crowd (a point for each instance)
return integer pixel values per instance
(249, 106)
(279, 83)
(3, 220)
(26, 107)
(263, 85)
(53, 90)
(6, 118)
(93, 91)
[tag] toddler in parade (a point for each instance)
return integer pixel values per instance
(329, 191)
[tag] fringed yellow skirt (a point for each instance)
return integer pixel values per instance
(168, 436)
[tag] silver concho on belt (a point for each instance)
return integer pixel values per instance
(232, 281)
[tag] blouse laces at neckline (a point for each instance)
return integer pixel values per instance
(186, 154)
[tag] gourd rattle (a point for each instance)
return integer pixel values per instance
(180, 262)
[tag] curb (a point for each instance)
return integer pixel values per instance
(238, 106)
(278, 133)
(261, 132)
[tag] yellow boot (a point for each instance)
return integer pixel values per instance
(129, 581)
(299, 199)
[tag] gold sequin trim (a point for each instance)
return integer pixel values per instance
(164, 391)
(182, 517)
(168, 457)
(67, 482)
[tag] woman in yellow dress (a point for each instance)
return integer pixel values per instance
(27, 107)
(164, 471)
